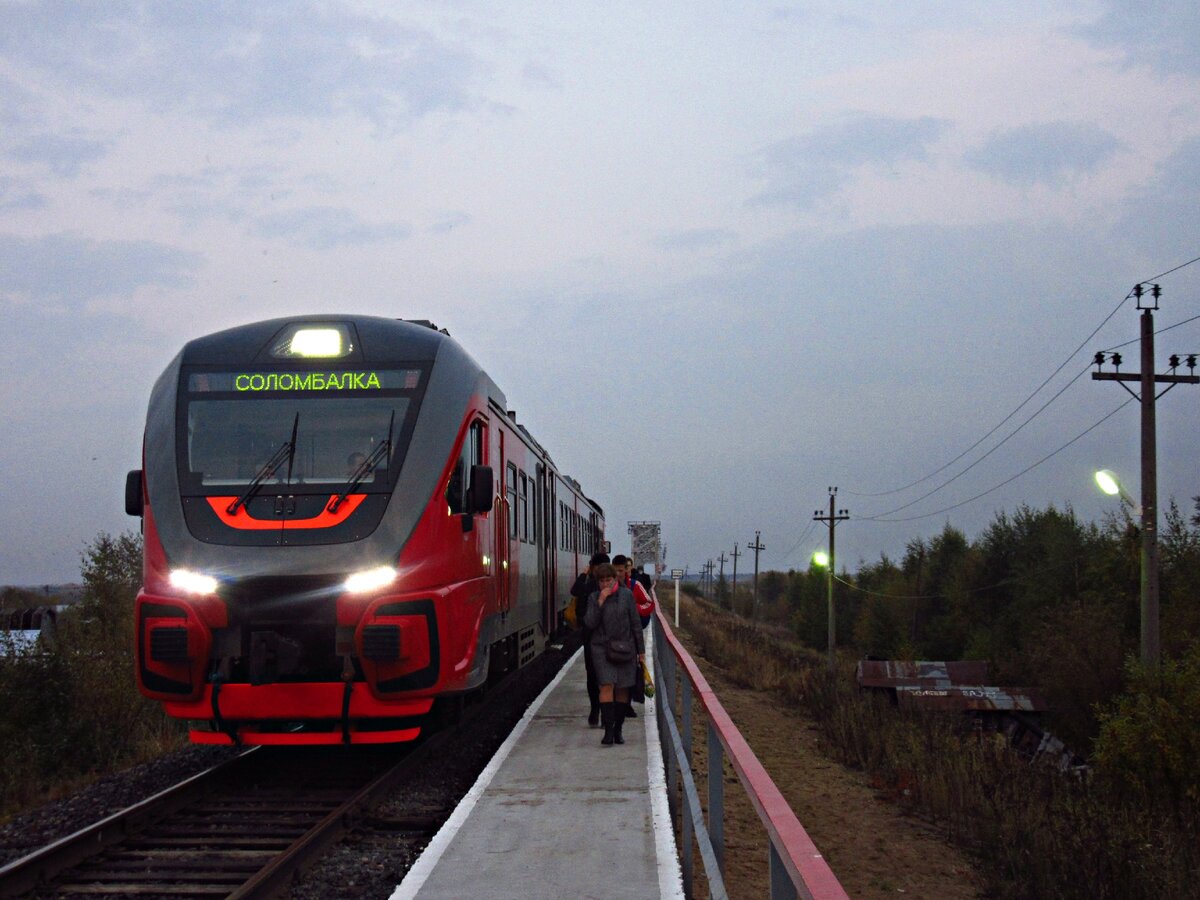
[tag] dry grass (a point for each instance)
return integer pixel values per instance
(1037, 833)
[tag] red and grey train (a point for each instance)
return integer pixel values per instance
(343, 522)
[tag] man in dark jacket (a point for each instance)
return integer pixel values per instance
(586, 585)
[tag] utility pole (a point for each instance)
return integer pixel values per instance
(832, 519)
(721, 577)
(757, 547)
(1147, 379)
(733, 592)
(708, 568)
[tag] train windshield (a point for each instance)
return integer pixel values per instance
(238, 425)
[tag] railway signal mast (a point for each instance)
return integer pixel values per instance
(1147, 379)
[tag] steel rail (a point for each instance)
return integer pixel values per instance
(45, 868)
(28, 872)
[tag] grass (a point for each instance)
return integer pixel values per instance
(1037, 832)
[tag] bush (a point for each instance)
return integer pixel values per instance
(72, 708)
(1037, 832)
(1149, 735)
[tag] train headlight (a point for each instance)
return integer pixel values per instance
(193, 582)
(370, 579)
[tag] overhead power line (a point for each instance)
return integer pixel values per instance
(1156, 334)
(1033, 394)
(997, 487)
(1168, 272)
(1016, 410)
(1002, 442)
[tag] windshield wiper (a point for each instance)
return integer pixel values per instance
(286, 451)
(365, 468)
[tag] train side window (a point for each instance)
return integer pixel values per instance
(456, 489)
(523, 504)
(476, 439)
(535, 509)
(460, 475)
(511, 493)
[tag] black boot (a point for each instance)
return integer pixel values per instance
(620, 720)
(629, 713)
(608, 718)
(594, 716)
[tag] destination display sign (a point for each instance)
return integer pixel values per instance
(304, 382)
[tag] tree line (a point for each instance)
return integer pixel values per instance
(1049, 601)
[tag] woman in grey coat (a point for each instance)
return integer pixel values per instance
(612, 614)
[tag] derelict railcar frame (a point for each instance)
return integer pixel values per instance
(330, 608)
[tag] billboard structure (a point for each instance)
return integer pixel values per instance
(646, 545)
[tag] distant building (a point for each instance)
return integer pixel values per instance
(21, 628)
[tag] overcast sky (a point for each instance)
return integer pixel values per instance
(719, 256)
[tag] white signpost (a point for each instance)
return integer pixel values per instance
(676, 574)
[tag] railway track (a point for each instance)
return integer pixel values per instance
(242, 829)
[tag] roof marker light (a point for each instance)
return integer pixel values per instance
(316, 342)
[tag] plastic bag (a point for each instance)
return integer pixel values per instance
(647, 680)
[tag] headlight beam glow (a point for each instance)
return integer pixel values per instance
(370, 579)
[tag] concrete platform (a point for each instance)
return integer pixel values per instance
(557, 815)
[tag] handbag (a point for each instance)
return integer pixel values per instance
(618, 651)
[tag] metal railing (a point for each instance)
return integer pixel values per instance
(797, 868)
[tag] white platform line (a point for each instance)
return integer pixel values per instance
(670, 875)
(420, 871)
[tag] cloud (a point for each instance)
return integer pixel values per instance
(63, 155)
(17, 109)
(1046, 153)
(539, 77)
(324, 227)
(695, 239)
(1160, 219)
(73, 270)
(242, 62)
(15, 195)
(1162, 34)
(449, 222)
(803, 170)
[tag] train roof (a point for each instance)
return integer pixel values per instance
(374, 340)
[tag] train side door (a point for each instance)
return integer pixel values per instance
(544, 554)
(503, 518)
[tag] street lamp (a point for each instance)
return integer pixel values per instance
(1108, 482)
(1111, 485)
(825, 561)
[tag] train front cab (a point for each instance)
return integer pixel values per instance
(395, 646)
(476, 588)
